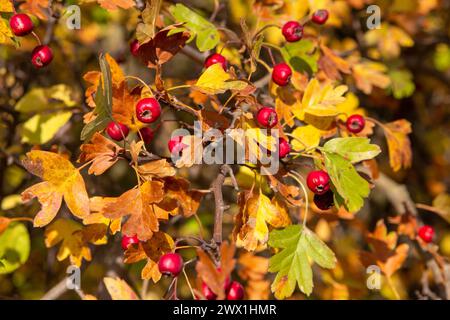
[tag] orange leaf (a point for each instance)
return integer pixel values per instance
(400, 154)
(119, 289)
(102, 151)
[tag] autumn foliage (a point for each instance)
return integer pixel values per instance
(93, 175)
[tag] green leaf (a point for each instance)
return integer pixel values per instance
(346, 180)
(39, 99)
(354, 149)
(41, 128)
(298, 55)
(207, 35)
(402, 85)
(103, 103)
(14, 247)
(299, 246)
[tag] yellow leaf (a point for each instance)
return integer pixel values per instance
(389, 39)
(119, 289)
(61, 179)
(368, 74)
(306, 137)
(400, 154)
(215, 80)
(5, 32)
(350, 106)
(41, 128)
(6, 6)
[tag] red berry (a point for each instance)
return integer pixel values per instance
(318, 181)
(292, 31)
(170, 264)
(216, 58)
(267, 117)
(41, 56)
(21, 24)
(281, 74)
(208, 293)
(355, 123)
(148, 110)
(128, 241)
(284, 148)
(147, 134)
(320, 16)
(236, 291)
(117, 131)
(175, 145)
(134, 47)
(426, 233)
(324, 201)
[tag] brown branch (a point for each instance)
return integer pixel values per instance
(220, 207)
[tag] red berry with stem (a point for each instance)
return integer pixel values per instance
(41, 56)
(281, 74)
(208, 293)
(236, 291)
(170, 264)
(267, 117)
(134, 47)
(128, 241)
(320, 16)
(117, 131)
(216, 58)
(148, 110)
(426, 233)
(21, 24)
(292, 31)
(318, 181)
(175, 144)
(324, 201)
(355, 123)
(147, 135)
(284, 148)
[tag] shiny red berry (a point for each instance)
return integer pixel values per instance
(134, 47)
(281, 74)
(426, 233)
(21, 24)
(267, 117)
(320, 16)
(147, 135)
(216, 58)
(170, 264)
(175, 145)
(236, 291)
(284, 148)
(292, 31)
(324, 201)
(148, 110)
(117, 131)
(318, 181)
(41, 56)
(208, 293)
(355, 123)
(128, 241)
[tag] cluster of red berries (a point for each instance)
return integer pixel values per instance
(22, 25)
(234, 290)
(293, 30)
(319, 183)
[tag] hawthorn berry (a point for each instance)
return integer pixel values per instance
(147, 134)
(318, 182)
(216, 58)
(21, 24)
(41, 56)
(117, 131)
(355, 123)
(284, 148)
(320, 16)
(148, 110)
(426, 233)
(134, 47)
(208, 293)
(175, 145)
(170, 264)
(128, 241)
(236, 291)
(267, 117)
(292, 31)
(281, 74)
(324, 201)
